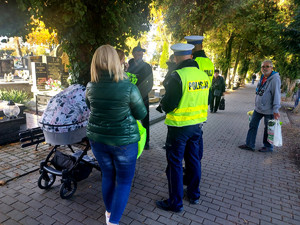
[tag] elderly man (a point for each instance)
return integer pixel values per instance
(186, 104)
(267, 104)
(144, 75)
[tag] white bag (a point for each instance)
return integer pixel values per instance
(274, 133)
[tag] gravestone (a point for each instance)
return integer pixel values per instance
(54, 67)
(6, 66)
(31, 59)
(39, 76)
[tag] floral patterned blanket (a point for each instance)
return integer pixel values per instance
(66, 111)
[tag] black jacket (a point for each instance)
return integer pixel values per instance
(143, 72)
(218, 84)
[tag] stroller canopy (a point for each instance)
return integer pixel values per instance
(66, 111)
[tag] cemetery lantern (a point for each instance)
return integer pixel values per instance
(11, 110)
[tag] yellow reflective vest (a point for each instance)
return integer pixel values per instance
(193, 105)
(206, 65)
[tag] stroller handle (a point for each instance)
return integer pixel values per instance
(63, 125)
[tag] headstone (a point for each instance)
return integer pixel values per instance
(31, 59)
(64, 78)
(54, 67)
(6, 66)
(39, 76)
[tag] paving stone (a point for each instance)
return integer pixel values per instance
(237, 186)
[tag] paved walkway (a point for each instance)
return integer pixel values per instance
(237, 187)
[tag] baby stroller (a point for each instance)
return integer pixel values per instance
(64, 122)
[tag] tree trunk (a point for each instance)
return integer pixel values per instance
(18, 47)
(228, 57)
(236, 64)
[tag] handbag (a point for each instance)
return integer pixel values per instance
(222, 104)
(274, 133)
(142, 141)
(217, 92)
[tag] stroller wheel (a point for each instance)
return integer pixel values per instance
(68, 188)
(46, 180)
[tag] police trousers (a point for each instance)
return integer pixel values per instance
(183, 143)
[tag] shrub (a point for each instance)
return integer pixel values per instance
(15, 95)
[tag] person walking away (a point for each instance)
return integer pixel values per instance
(253, 78)
(267, 104)
(186, 105)
(115, 105)
(144, 75)
(217, 90)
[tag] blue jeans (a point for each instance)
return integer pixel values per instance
(253, 126)
(117, 164)
(183, 142)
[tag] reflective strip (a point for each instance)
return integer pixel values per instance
(186, 118)
(191, 109)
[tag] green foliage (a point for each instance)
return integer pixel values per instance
(244, 67)
(191, 17)
(164, 56)
(84, 25)
(14, 21)
(16, 96)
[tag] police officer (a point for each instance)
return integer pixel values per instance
(205, 64)
(186, 105)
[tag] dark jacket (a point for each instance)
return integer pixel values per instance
(218, 84)
(143, 72)
(174, 87)
(115, 107)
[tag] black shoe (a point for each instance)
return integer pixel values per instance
(245, 147)
(211, 111)
(194, 201)
(164, 205)
(164, 147)
(191, 201)
(265, 149)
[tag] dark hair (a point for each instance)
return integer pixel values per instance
(217, 71)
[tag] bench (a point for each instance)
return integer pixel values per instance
(31, 137)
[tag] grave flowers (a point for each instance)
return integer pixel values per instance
(54, 85)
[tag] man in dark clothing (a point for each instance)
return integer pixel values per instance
(253, 78)
(217, 90)
(143, 72)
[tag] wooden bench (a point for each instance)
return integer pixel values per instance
(31, 137)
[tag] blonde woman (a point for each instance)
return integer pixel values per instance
(115, 106)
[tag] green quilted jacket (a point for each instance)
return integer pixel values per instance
(115, 107)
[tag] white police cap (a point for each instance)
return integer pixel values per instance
(194, 39)
(182, 49)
